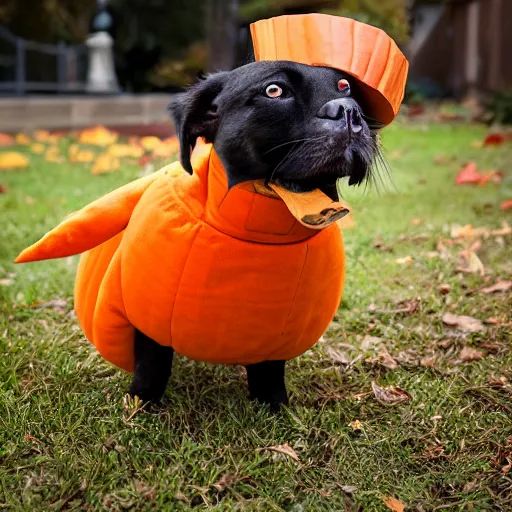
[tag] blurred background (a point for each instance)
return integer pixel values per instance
(458, 50)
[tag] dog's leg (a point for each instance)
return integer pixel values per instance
(153, 364)
(266, 383)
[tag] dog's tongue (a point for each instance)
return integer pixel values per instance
(314, 209)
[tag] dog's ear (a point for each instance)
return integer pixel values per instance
(195, 114)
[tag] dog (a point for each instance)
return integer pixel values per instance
(301, 126)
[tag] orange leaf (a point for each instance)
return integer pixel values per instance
(105, 163)
(53, 155)
(22, 138)
(150, 142)
(13, 160)
(394, 504)
(469, 174)
(506, 205)
(496, 139)
(6, 139)
(98, 135)
(125, 150)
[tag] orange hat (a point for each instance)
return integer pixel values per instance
(365, 52)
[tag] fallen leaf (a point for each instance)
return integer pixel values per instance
(224, 481)
(13, 160)
(468, 354)
(348, 489)
(22, 139)
(378, 243)
(463, 322)
(6, 282)
(145, 490)
(505, 230)
(384, 359)
(105, 163)
(37, 148)
(285, 449)
(98, 135)
(53, 155)
(500, 286)
(468, 174)
(6, 139)
(125, 150)
(167, 148)
(471, 263)
(444, 289)
(406, 260)
(356, 425)
(391, 395)
(428, 361)
(496, 139)
(506, 205)
(3, 189)
(370, 342)
(150, 142)
(394, 504)
(416, 222)
(337, 356)
(80, 155)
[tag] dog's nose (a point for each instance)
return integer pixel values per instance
(342, 109)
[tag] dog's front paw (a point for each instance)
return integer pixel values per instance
(275, 400)
(145, 394)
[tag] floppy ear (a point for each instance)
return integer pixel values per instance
(195, 114)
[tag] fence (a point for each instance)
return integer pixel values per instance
(27, 66)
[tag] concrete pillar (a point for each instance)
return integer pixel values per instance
(101, 75)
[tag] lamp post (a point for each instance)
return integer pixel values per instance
(101, 75)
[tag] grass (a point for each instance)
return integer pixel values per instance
(67, 442)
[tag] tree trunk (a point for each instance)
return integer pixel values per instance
(222, 25)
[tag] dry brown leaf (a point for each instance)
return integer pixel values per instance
(500, 286)
(337, 356)
(285, 449)
(385, 359)
(505, 230)
(356, 425)
(444, 289)
(224, 481)
(394, 504)
(378, 243)
(471, 263)
(463, 322)
(428, 361)
(468, 354)
(391, 395)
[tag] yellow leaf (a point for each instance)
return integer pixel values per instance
(150, 142)
(105, 163)
(125, 150)
(98, 135)
(37, 148)
(22, 138)
(79, 155)
(44, 136)
(53, 155)
(13, 160)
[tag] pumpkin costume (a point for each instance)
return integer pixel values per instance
(223, 275)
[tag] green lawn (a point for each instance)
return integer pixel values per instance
(67, 443)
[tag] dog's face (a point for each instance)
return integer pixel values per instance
(299, 125)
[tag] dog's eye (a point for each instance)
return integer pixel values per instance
(344, 86)
(273, 91)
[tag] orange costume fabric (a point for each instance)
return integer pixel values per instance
(222, 276)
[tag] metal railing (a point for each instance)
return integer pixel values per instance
(28, 66)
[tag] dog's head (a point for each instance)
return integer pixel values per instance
(302, 126)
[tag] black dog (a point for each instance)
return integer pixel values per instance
(298, 125)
